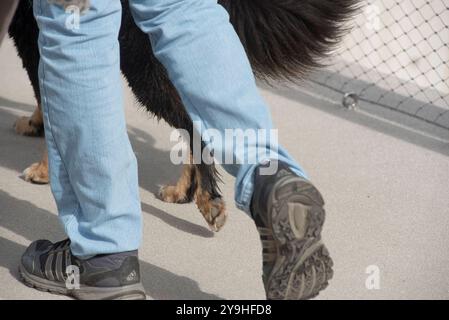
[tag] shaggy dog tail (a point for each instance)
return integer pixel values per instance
(285, 39)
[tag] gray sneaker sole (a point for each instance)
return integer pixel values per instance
(302, 266)
(131, 292)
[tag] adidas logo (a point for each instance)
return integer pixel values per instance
(132, 276)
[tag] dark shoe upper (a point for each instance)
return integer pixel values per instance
(51, 261)
(263, 186)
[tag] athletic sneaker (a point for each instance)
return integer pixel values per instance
(289, 215)
(52, 267)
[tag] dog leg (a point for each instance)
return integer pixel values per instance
(38, 172)
(184, 189)
(196, 183)
(209, 202)
(31, 126)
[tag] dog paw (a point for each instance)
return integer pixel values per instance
(25, 127)
(37, 173)
(172, 194)
(214, 212)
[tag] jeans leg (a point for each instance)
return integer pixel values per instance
(93, 169)
(207, 64)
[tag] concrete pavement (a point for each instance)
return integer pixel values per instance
(386, 191)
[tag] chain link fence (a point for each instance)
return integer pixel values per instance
(397, 57)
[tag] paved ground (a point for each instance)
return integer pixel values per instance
(386, 189)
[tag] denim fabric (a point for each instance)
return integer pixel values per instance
(93, 168)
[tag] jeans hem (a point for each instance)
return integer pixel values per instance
(244, 201)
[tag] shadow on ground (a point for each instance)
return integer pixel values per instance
(383, 121)
(31, 222)
(4, 102)
(178, 223)
(17, 152)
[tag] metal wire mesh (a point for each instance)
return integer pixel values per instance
(397, 57)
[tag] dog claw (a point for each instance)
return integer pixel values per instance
(216, 217)
(36, 173)
(169, 194)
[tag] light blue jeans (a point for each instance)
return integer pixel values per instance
(93, 170)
